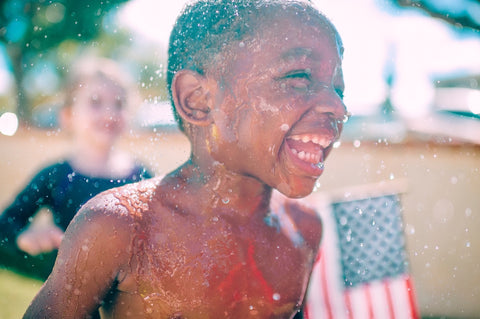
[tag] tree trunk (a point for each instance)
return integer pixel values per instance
(23, 104)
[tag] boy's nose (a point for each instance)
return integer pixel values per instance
(329, 102)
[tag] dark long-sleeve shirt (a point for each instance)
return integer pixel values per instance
(62, 190)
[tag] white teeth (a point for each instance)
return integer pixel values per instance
(305, 156)
(319, 140)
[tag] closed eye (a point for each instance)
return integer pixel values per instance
(299, 80)
(298, 74)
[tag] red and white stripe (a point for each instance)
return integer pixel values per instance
(391, 298)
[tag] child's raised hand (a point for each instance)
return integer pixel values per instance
(37, 240)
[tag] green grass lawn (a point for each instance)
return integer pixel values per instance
(16, 293)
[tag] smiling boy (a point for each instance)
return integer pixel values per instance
(257, 87)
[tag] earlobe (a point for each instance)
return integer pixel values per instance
(191, 97)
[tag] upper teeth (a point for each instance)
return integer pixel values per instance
(322, 141)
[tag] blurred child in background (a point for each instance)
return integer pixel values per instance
(95, 115)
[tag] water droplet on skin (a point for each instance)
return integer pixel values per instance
(276, 296)
(321, 165)
(284, 127)
(226, 200)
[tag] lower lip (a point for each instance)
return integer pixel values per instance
(307, 169)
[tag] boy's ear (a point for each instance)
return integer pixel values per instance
(192, 98)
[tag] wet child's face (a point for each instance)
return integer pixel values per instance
(98, 113)
(280, 108)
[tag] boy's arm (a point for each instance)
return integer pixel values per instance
(89, 261)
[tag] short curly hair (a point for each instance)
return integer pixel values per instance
(207, 28)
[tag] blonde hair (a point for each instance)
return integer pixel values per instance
(92, 68)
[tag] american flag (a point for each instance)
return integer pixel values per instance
(362, 267)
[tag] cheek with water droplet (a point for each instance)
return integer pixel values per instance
(284, 127)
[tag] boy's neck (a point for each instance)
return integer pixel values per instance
(218, 191)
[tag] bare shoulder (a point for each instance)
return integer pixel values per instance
(94, 254)
(119, 205)
(106, 223)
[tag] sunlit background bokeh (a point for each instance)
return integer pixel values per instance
(412, 73)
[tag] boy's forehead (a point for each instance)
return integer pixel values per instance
(281, 46)
(296, 52)
(283, 31)
(300, 21)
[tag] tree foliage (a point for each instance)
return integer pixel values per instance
(30, 28)
(461, 14)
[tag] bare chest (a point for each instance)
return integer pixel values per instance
(201, 270)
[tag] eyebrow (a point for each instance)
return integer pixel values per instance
(297, 52)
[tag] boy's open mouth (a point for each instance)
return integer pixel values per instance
(309, 149)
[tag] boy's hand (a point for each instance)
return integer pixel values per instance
(37, 240)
